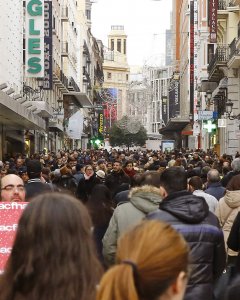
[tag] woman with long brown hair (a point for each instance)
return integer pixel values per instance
(53, 256)
(152, 264)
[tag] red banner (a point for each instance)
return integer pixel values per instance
(212, 20)
(10, 213)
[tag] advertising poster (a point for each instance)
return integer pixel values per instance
(10, 213)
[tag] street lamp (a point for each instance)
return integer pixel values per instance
(208, 97)
(31, 93)
(229, 107)
(60, 106)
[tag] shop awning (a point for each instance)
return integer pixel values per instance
(82, 99)
(175, 124)
(16, 116)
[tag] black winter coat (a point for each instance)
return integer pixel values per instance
(190, 215)
(115, 179)
(85, 187)
(233, 241)
(34, 187)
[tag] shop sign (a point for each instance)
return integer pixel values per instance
(205, 114)
(100, 123)
(47, 83)
(34, 38)
(222, 123)
(212, 19)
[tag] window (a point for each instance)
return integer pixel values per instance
(54, 23)
(119, 45)
(88, 14)
(109, 75)
(127, 77)
(125, 46)
(112, 44)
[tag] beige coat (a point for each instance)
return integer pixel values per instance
(227, 210)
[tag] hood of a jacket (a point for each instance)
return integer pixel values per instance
(186, 207)
(145, 198)
(232, 198)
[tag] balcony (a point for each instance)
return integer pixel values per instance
(218, 63)
(86, 76)
(60, 79)
(64, 46)
(55, 125)
(72, 85)
(225, 4)
(234, 55)
(64, 14)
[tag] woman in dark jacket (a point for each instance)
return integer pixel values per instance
(100, 208)
(86, 184)
(233, 241)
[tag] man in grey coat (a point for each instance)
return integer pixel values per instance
(143, 200)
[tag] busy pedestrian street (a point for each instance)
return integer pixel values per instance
(119, 150)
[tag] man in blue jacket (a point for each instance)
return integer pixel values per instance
(189, 214)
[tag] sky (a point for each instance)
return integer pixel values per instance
(145, 22)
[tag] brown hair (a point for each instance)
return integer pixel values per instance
(196, 183)
(53, 256)
(234, 183)
(149, 259)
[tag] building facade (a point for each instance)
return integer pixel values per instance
(43, 85)
(116, 75)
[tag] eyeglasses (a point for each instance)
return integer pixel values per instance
(11, 187)
(89, 169)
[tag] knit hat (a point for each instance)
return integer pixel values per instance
(100, 174)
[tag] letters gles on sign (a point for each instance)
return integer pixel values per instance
(34, 38)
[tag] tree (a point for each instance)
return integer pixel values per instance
(127, 132)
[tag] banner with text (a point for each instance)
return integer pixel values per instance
(10, 213)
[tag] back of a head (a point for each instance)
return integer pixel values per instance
(150, 178)
(234, 183)
(213, 176)
(144, 272)
(34, 168)
(236, 164)
(54, 237)
(196, 183)
(174, 179)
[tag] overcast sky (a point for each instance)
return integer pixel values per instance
(145, 22)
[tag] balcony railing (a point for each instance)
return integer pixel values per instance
(221, 56)
(224, 4)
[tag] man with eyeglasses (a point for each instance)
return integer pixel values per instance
(12, 188)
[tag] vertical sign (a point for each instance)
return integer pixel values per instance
(47, 83)
(164, 110)
(174, 98)
(196, 64)
(212, 19)
(100, 124)
(191, 71)
(34, 38)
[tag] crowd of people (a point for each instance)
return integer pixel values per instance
(123, 224)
